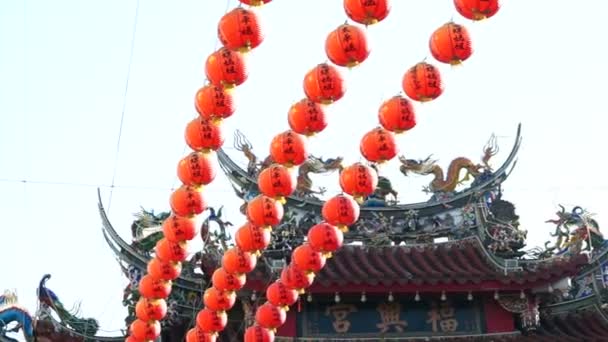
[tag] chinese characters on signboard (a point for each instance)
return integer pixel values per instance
(389, 318)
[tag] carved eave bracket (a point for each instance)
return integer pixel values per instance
(525, 307)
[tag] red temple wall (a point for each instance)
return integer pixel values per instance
(497, 319)
(289, 329)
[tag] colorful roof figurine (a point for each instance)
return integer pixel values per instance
(51, 322)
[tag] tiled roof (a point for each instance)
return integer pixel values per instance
(456, 262)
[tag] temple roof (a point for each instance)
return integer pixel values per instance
(458, 262)
(584, 326)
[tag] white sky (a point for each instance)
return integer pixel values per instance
(63, 66)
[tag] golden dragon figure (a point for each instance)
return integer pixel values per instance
(242, 144)
(304, 182)
(318, 166)
(443, 182)
(254, 164)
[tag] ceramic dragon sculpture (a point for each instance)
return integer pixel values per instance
(447, 182)
(315, 165)
(146, 230)
(304, 186)
(215, 242)
(572, 230)
(69, 318)
(384, 189)
(13, 318)
(243, 145)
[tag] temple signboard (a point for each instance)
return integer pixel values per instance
(397, 318)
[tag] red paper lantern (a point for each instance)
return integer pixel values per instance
(151, 309)
(257, 333)
(307, 259)
(288, 148)
(264, 211)
(324, 84)
(325, 238)
(378, 145)
(179, 228)
(214, 103)
(145, 330)
(347, 46)
(255, 3)
(209, 321)
(422, 82)
(196, 169)
(359, 181)
(197, 335)
(238, 261)
(280, 295)
(277, 182)
(171, 251)
(295, 278)
(150, 287)
(202, 135)
(187, 201)
(164, 270)
(367, 12)
(397, 114)
(240, 30)
(270, 316)
(341, 211)
(477, 9)
(225, 281)
(217, 300)
(451, 44)
(307, 117)
(251, 238)
(226, 68)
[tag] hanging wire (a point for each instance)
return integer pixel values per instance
(124, 103)
(215, 47)
(92, 185)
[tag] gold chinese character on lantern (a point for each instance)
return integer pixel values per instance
(340, 312)
(390, 315)
(442, 318)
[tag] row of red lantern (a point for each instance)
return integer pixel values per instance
(225, 69)
(308, 259)
(322, 85)
(347, 47)
(239, 31)
(287, 149)
(477, 9)
(449, 44)
(323, 239)
(358, 180)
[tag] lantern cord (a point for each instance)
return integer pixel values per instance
(215, 46)
(124, 102)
